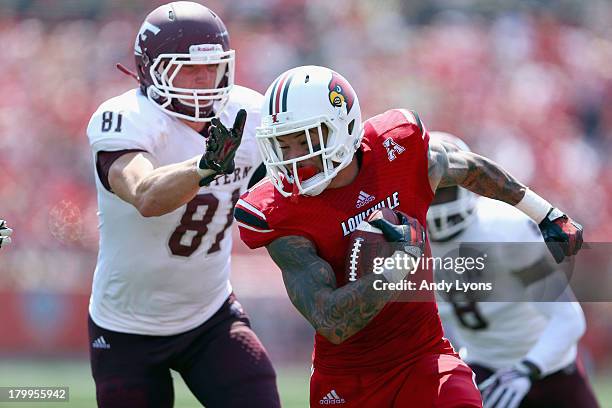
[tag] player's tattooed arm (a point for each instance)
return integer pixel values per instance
(335, 313)
(450, 166)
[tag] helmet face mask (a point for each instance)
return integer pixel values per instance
(192, 103)
(305, 101)
(447, 218)
(182, 34)
(286, 172)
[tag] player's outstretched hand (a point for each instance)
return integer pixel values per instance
(409, 231)
(221, 147)
(562, 235)
(505, 389)
(5, 234)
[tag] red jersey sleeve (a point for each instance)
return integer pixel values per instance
(253, 225)
(262, 216)
(402, 125)
(414, 134)
(404, 139)
(419, 131)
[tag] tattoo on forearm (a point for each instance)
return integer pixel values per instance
(476, 173)
(336, 313)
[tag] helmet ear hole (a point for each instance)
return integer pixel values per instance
(351, 126)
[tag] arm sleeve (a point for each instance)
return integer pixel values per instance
(254, 221)
(404, 127)
(566, 322)
(104, 161)
(413, 135)
(415, 128)
(404, 139)
(565, 327)
(255, 231)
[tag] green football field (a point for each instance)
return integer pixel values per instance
(292, 382)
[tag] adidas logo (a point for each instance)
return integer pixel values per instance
(100, 343)
(363, 199)
(331, 399)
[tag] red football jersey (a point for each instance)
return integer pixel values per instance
(393, 174)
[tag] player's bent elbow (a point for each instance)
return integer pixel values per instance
(148, 213)
(573, 316)
(581, 328)
(580, 323)
(331, 334)
(148, 208)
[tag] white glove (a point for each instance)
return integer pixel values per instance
(506, 388)
(5, 233)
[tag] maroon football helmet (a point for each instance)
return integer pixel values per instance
(177, 34)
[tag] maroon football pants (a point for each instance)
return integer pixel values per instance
(222, 362)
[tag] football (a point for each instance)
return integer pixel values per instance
(368, 242)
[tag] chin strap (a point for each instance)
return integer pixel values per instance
(295, 192)
(126, 71)
(303, 173)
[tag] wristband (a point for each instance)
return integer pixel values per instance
(204, 172)
(206, 175)
(534, 206)
(530, 369)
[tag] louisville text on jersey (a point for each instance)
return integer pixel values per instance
(351, 224)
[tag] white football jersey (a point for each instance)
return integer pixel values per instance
(500, 334)
(166, 275)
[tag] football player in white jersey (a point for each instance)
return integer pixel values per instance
(169, 170)
(5, 234)
(523, 353)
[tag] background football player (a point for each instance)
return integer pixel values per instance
(168, 173)
(5, 233)
(320, 160)
(526, 351)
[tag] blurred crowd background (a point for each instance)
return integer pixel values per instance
(527, 83)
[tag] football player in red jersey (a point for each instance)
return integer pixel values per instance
(326, 172)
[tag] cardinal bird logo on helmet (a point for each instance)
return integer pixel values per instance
(340, 92)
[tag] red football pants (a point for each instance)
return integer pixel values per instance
(434, 380)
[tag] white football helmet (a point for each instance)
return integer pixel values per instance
(299, 100)
(453, 208)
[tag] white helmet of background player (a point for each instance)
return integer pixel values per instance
(299, 100)
(453, 208)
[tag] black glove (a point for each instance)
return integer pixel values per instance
(563, 236)
(409, 232)
(221, 147)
